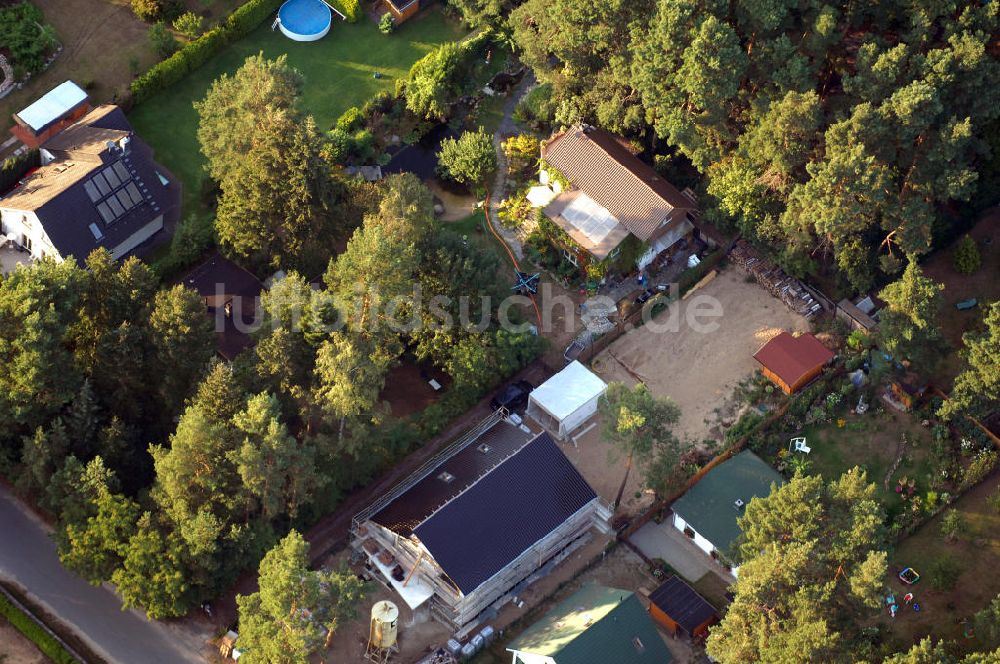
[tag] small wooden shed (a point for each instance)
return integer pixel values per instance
(677, 607)
(793, 362)
(402, 10)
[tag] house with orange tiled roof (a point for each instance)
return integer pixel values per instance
(603, 197)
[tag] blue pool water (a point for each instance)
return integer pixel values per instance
(304, 20)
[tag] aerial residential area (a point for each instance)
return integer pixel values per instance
(499, 331)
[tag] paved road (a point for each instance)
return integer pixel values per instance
(28, 558)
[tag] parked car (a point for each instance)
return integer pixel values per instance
(513, 396)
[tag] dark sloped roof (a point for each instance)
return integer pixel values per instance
(66, 218)
(595, 625)
(219, 281)
(682, 604)
(465, 466)
(509, 509)
(710, 505)
(791, 358)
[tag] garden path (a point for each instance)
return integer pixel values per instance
(507, 128)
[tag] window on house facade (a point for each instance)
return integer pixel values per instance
(615, 252)
(571, 257)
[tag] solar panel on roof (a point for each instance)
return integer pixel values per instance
(124, 199)
(122, 172)
(590, 218)
(105, 212)
(109, 175)
(102, 184)
(133, 191)
(98, 235)
(115, 206)
(92, 191)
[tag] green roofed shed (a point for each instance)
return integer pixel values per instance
(596, 625)
(712, 506)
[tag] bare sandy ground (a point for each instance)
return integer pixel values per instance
(699, 370)
(16, 649)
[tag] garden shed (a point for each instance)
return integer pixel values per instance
(792, 362)
(564, 402)
(679, 608)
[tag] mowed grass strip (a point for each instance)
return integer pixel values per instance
(338, 70)
(24, 624)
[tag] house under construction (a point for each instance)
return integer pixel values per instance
(495, 511)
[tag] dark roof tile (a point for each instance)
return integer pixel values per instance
(682, 604)
(504, 513)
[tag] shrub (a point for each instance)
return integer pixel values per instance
(161, 39)
(386, 24)
(537, 109)
(350, 120)
(966, 258)
(981, 465)
(248, 16)
(943, 573)
(195, 53)
(349, 8)
(20, 36)
(147, 10)
(469, 159)
(952, 525)
(994, 501)
(744, 426)
(189, 24)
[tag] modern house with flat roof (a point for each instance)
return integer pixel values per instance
(595, 625)
(708, 514)
(600, 194)
(495, 511)
(97, 187)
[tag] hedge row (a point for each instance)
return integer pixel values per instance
(349, 8)
(15, 168)
(197, 52)
(23, 623)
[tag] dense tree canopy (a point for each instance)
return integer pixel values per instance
(296, 610)
(279, 192)
(812, 564)
(979, 383)
(639, 426)
(909, 323)
(832, 132)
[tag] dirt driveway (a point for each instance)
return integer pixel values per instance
(699, 370)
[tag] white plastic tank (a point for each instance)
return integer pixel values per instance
(385, 621)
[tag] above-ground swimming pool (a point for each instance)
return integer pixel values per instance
(304, 20)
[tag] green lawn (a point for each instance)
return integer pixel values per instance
(338, 72)
(977, 556)
(870, 441)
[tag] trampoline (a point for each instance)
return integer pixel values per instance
(304, 20)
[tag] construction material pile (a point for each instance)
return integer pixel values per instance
(789, 290)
